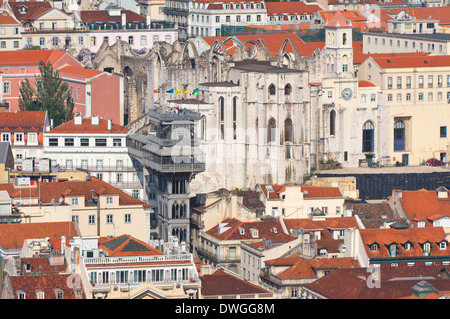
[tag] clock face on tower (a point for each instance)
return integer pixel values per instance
(347, 94)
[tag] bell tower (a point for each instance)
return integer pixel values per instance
(339, 46)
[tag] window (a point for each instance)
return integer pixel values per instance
(109, 200)
(288, 136)
(399, 136)
(408, 82)
(420, 81)
(430, 81)
(330, 94)
(407, 246)
(222, 117)
(127, 218)
(19, 137)
(117, 142)
(368, 137)
(68, 142)
(238, 18)
(91, 219)
(93, 41)
(443, 131)
(294, 292)
(52, 142)
(408, 96)
(5, 137)
(41, 41)
(430, 96)
(332, 122)
(272, 89)
(399, 97)
(119, 178)
(21, 295)
(399, 82)
(143, 40)
(119, 164)
(84, 142)
(109, 218)
(271, 130)
(440, 80)
(420, 96)
(59, 294)
(363, 98)
(100, 142)
(426, 247)
(389, 83)
(374, 247)
(389, 97)
(80, 40)
(69, 164)
(373, 97)
(287, 89)
(442, 245)
(6, 87)
(130, 40)
(99, 164)
(74, 201)
(232, 253)
(75, 219)
(218, 18)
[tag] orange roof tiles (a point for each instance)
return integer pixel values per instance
(399, 61)
(6, 18)
(29, 57)
(54, 190)
(34, 9)
(125, 245)
(416, 236)
(77, 71)
(424, 205)
(48, 284)
(221, 283)
(12, 236)
(363, 84)
(320, 192)
(86, 127)
(23, 121)
(337, 19)
(293, 7)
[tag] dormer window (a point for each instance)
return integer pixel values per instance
(40, 294)
(442, 245)
(59, 294)
(23, 9)
(407, 246)
(275, 230)
(21, 295)
(426, 248)
(421, 224)
(392, 250)
(254, 233)
(241, 231)
(374, 247)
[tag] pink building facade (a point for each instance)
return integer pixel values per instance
(94, 92)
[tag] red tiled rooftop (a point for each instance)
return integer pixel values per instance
(364, 84)
(25, 120)
(293, 7)
(88, 128)
(29, 57)
(78, 71)
(103, 16)
(402, 61)
(12, 236)
(221, 283)
(34, 9)
(6, 18)
(125, 245)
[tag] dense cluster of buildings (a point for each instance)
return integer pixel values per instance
(216, 150)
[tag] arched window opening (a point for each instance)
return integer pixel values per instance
(287, 89)
(368, 137)
(288, 130)
(272, 89)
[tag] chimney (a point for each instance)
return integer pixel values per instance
(95, 120)
(124, 19)
(78, 119)
(109, 124)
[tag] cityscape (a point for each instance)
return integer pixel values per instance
(227, 154)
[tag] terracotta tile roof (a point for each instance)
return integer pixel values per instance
(408, 61)
(234, 229)
(12, 236)
(434, 13)
(221, 283)
(88, 16)
(337, 19)
(41, 265)
(415, 236)
(23, 121)
(297, 7)
(77, 71)
(88, 128)
(34, 9)
(424, 205)
(56, 190)
(373, 215)
(6, 18)
(320, 192)
(46, 283)
(396, 282)
(125, 245)
(29, 57)
(304, 268)
(273, 193)
(364, 84)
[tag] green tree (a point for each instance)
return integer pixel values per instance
(52, 94)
